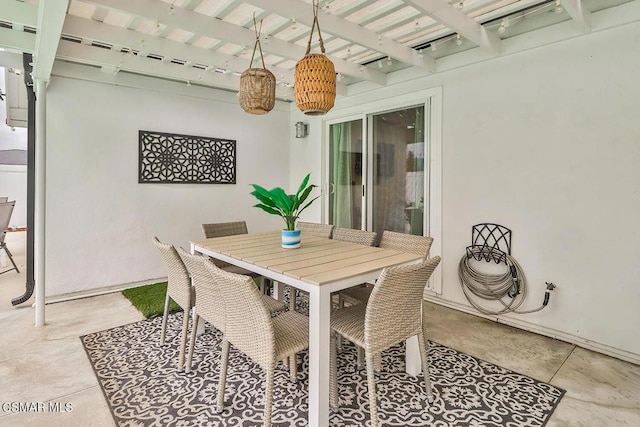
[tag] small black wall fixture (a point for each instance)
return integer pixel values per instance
(172, 158)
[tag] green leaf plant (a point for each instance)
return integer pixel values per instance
(287, 206)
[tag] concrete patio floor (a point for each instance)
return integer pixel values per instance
(48, 364)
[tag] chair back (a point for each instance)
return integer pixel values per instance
(361, 237)
(248, 322)
(3, 199)
(419, 245)
(393, 312)
(178, 281)
(314, 229)
(221, 229)
(6, 209)
(209, 302)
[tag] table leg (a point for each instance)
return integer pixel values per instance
(412, 356)
(319, 317)
(278, 290)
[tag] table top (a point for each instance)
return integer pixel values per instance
(318, 260)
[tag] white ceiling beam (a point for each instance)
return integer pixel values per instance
(11, 60)
(221, 30)
(448, 15)
(347, 30)
(117, 61)
(228, 8)
(17, 40)
(51, 14)
(21, 13)
(578, 13)
(168, 49)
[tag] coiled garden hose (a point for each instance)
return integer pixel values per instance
(496, 287)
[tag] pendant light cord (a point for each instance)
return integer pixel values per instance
(257, 43)
(315, 24)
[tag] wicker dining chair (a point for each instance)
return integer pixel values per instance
(419, 245)
(392, 315)
(223, 229)
(253, 331)
(313, 229)
(209, 301)
(361, 237)
(179, 289)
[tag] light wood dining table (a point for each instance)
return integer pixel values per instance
(320, 267)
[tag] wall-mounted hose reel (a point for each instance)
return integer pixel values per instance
(492, 242)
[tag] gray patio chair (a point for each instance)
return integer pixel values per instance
(252, 330)
(179, 289)
(392, 315)
(209, 303)
(223, 229)
(361, 237)
(313, 229)
(419, 245)
(6, 209)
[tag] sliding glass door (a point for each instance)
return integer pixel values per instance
(377, 171)
(398, 173)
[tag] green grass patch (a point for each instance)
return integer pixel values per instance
(149, 299)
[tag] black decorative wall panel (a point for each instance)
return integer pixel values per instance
(186, 159)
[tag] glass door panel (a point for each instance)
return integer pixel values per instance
(345, 174)
(398, 177)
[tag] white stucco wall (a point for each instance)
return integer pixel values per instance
(15, 139)
(13, 184)
(100, 220)
(544, 142)
(13, 178)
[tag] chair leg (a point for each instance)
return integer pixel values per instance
(293, 367)
(377, 363)
(333, 372)
(424, 354)
(263, 285)
(292, 298)
(371, 384)
(268, 396)
(223, 375)
(163, 330)
(359, 357)
(192, 340)
(183, 337)
(341, 305)
(15, 267)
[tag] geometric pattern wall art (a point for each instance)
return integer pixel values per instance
(185, 159)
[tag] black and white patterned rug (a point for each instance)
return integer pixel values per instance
(143, 388)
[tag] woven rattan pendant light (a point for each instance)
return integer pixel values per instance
(315, 77)
(257, 85)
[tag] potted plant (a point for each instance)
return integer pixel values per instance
(287, 206)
